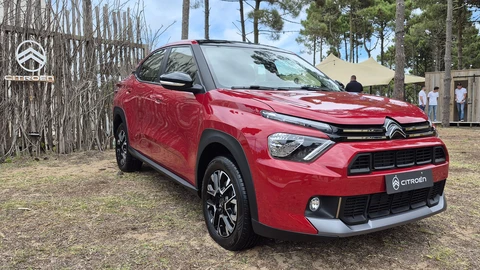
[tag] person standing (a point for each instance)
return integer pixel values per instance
(460, 98)
(422, 99)
(354, 86)
(432, 104)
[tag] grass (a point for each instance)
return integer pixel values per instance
(75, 212)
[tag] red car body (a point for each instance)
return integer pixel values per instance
(173, 129)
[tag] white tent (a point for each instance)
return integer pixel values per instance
(368, 72)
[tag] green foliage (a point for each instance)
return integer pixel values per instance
(325, 24)
(425, 38)
(271, 15)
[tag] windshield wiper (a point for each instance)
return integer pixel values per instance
(257, 87)
(306, 87)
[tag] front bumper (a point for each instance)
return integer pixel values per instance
(337, 228)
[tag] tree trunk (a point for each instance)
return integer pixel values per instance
(382, 41)
(321, 49)
(242, 22)
(460, 22)
(207, 19)
(185, 18)
(356, 49)
(351, 33)
(346, 49)
(314, 49)
(448, 64)
(255, 21)
(398, 91)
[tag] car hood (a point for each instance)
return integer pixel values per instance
(339, 107)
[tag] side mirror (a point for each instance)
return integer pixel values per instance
(340, 84)
(179, 81)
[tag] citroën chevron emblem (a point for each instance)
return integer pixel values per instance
(31, 56)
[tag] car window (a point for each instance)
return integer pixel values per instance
(150, 69)
(233, 66)
(181, 60)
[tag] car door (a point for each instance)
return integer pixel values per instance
(177, 117)
(147, 77)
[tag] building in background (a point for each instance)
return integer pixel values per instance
(470, 79)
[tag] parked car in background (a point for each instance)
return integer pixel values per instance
(274, 147)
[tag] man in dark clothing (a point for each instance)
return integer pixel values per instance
(354, 86)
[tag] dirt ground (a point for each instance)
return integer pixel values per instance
(77, 212)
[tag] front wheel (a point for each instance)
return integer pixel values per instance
(125, 161)
(225, 206)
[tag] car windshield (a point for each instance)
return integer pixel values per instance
(258, 68)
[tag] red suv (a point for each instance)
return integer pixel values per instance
(274, 147)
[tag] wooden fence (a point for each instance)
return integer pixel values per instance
(88, 50)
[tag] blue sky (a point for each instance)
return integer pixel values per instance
(222, 16)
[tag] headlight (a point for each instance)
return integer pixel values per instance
(297, 147)
(298, 121)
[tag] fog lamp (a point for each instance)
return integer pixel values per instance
(314, 204)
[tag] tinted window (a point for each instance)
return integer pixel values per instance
(181, 59)
(150, 68)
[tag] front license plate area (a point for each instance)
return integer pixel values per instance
(407, 181)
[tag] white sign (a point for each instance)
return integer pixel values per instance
(29, 51)
(31, 57)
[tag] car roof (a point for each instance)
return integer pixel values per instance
(226, 42)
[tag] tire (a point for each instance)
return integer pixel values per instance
(125, 161)
(225, 206)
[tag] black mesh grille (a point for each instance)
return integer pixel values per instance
(356, 209)
(366, 162)
(439, 154)
(383, 160)
(424, 156)
(361, 164)
(418, 198)
(379, 205)
(435, 193)
(405, 158)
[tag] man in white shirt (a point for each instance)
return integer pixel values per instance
(432, 104)
(460, 98)
(422, 99)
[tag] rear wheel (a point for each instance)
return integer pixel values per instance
(225, 206)
(126, 162)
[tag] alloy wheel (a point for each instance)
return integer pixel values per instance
(221, 203)
(121, 147)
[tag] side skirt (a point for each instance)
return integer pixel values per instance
(163, 170)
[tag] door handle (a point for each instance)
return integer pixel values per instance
(158, 101)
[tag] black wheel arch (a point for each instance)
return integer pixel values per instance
(215, 137)
(118, 118)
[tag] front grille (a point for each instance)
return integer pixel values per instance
(361, 164)
(383, 160)
(367, 162)
(358, 209)
(405, 158)
(439, 154)
(424, 155)
(354, 209)
(379, 132)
